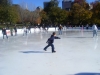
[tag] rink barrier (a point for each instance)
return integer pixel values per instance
(20, 31)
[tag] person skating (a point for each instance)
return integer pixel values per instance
(50, 42)
(60, 29)
(29, 29)
(15, 30)
(95, 29)
(24, 31)
(4, 33)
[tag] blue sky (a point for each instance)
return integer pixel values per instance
(32, 4)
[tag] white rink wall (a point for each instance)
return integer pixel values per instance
(20, 31)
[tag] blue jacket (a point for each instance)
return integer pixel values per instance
(51, 39)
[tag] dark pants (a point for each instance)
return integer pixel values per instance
(4, 35)
(94, 32)
(60, 32)
(52, 46)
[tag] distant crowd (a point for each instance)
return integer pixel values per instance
(27, 29)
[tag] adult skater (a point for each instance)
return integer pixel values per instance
(29, 29)
(50, 42)
(87, 26)
(24, 31)
(60, 29)
(4, 33)
(95, 29)
(15, 30)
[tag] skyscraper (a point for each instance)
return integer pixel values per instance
(45, 4)
(66, 4)
(56, 2)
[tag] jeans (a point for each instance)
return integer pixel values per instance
(94, 32)
(6, 36)
(60, 32)
(52, 46)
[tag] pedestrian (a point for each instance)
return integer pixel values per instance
(95, 29)
(15, 30)
(50, 42)
(4, 33)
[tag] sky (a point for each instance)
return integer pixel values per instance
(32, 4)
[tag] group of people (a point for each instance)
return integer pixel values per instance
(50, 41)
(25, 31)
(53, 36)
(28, 30)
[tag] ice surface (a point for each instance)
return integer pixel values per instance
(78, 53)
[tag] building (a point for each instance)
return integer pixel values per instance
(97, 0)
(39, 8)
(67, 4)
(47, 3)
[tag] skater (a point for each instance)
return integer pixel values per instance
(87, 26)
(29, 29)
(24, 31)
(4, 33)
(44, 28)
(50, 42)
(95, 29)
(15, 30)
(60, 29)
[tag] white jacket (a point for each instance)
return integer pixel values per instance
(94, 27)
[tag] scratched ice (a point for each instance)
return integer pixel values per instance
(76, 52)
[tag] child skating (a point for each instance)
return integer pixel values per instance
(50, 42)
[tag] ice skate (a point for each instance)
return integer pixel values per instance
(54, 52)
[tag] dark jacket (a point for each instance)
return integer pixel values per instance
(51, 39)
(60, 28)
(15, 29)
(4, 31)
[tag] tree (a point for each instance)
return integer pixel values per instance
(8, 14)
(52, 3)
(79, 14)
(57, 15)
(96, 14)
(12, 15)
(44, 17)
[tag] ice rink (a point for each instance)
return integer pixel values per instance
(77, 53)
